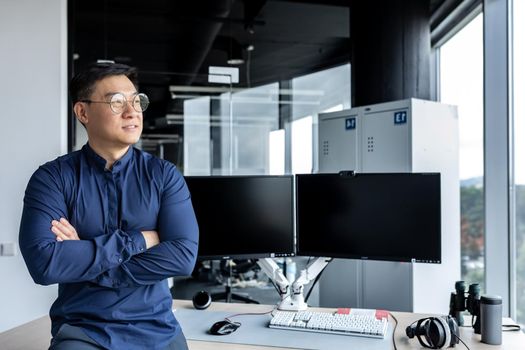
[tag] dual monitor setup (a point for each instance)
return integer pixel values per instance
(368, 216)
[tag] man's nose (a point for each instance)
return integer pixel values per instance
(128, 110)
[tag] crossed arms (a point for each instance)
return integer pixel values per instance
(54, 253)
(64, 231)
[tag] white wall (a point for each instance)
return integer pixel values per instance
(81, 137)
(33, 116)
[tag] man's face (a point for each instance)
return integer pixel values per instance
(105, 127)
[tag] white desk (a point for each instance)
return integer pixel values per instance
(35, 335)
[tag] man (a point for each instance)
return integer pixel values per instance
(109, 223)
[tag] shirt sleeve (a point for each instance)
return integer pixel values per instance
(178, 233)
(50, 261)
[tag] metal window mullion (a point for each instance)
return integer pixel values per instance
(496, 150)
(512, 187)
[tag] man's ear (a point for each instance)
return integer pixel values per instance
(80, 112)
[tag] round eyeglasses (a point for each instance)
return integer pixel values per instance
(117, 102)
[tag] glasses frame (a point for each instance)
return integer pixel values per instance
(131, 102)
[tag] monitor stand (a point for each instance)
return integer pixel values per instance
(292, 299)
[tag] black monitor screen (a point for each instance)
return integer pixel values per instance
(395, 217)
(243, 216)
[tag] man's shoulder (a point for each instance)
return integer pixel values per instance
(64, 161)
(57, 170)
(153, 162)
(161, 170)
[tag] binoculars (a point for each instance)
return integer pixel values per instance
(466, 301)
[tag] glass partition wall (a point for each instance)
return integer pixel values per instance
(221, 129)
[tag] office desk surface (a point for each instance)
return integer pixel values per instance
(36, 334)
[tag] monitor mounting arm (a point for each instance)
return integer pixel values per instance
(292, 299)
(275, 273)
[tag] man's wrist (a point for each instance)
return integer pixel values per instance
(151, 238)
(138, 241)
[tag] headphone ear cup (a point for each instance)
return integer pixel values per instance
(454, 330)
(431, 332)
(201, 300)
(419, 329)
(439, 332)
(416, 328)
(411, 331)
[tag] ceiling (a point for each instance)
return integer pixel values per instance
(174, 42)
(288, 38)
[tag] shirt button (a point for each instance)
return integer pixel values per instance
(119, 260)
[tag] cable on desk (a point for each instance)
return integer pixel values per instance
(394, 331)
(457, 336)
(227, 318)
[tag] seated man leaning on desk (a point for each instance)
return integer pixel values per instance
(109, 223)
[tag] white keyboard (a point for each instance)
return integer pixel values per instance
(363, 325)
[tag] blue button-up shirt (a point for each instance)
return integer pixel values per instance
(109, 283)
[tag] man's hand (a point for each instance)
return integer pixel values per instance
(151, 238)
(63, 230)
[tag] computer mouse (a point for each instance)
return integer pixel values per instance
(224, 327)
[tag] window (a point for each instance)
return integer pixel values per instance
(461, 84)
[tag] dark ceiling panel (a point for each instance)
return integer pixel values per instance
(188, 36)
(173, 41)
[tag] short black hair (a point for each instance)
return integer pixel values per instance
(82, 85)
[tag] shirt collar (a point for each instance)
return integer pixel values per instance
(100, 162)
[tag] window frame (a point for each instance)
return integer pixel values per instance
(498, 154)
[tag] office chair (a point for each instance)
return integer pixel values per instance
(229, 268)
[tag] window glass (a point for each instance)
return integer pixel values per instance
(255, 113)
(320, 92)
(461, 84)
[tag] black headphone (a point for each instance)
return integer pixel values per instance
(201, 300)
(437, 332)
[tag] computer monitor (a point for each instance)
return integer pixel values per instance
(243, 216)
(394, 217)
